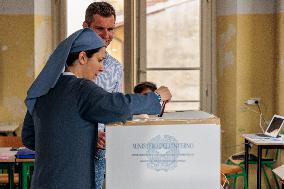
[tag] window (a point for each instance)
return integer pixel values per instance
(169, 42)
(173, 50)
(172, 43)
(76, 16)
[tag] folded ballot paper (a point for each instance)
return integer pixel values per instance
(25, 153)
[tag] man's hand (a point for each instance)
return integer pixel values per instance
(101, 140)
(165, 93)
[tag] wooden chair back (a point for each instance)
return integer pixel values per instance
(11, 141)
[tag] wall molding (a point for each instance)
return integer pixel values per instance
(232, 7)
(25, 7)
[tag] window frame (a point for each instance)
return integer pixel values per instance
(59, 21)
(208, 98)
(135, 46)
(135, 50)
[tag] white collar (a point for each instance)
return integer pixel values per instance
(68, 73)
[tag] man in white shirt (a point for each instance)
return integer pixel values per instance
(100, 16)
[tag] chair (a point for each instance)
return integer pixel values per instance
(4, 178)
(27, 170)
(14, 142)
(26, 167)
(11, 141)
(224, 181)
(266, 162)
(233, 172)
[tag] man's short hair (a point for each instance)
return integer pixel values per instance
(140, 87)
(101, 8)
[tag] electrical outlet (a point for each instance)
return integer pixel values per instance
(253, 101)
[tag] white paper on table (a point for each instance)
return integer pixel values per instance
(279, 171)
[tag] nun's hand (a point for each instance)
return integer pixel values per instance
(101, 140)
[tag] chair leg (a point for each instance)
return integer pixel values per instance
(234, 178)
(274, 176)
(276, 180)
(245, 179)
(234, 182)
(243, 174)
(266, 177)
(27, 177)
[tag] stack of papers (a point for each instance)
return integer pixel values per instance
(25, 153)
(266, 139)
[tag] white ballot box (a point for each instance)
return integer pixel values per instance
(178, 151)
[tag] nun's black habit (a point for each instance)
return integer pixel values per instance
(63, 112)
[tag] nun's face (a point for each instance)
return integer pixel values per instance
(94, 65)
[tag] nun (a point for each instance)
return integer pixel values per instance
(64, 109)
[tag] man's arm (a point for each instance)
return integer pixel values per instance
(117, 75)
(28, 132)
(119, 79)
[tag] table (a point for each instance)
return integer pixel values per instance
(8, 161)
(282, 184)
(9, 165)
(261, 143)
